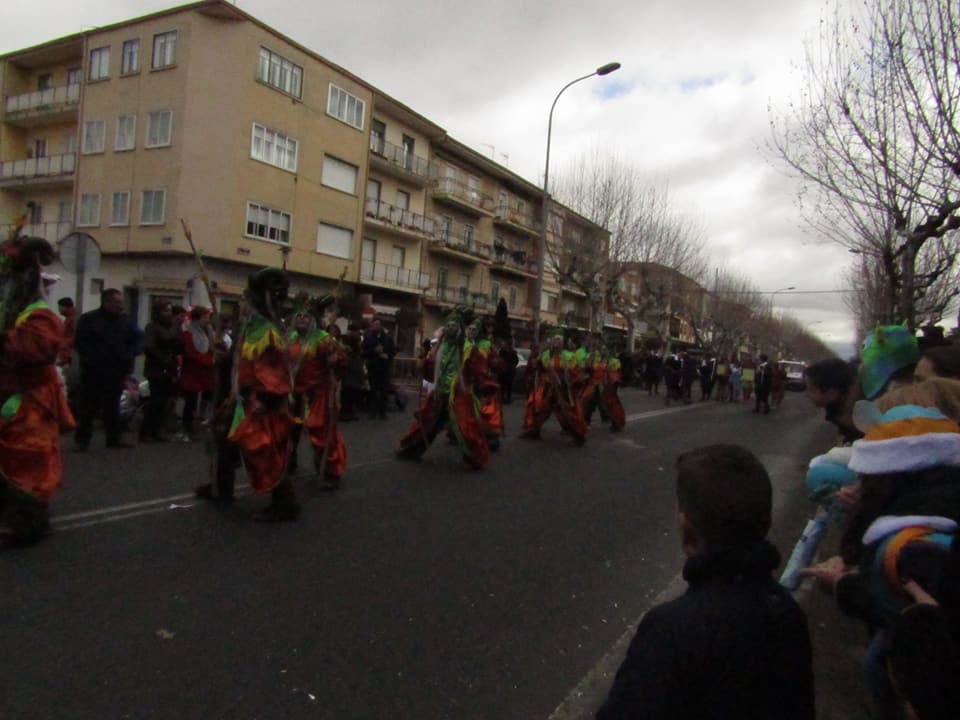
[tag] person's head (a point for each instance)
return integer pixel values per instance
(200, 316)
(939, 361)
(724, 498)
(472, 331)
(828, 381)
(376, 325)
(334, 330)
(888, 355)
(162, 312)
(111, 301)
(301, 321)
(556, 342)
(179, 314)
(65, 305)
(763, 357)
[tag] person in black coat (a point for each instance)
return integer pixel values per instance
(508, 370)
(378, 352)
(763, 383)
(107, 342)
(736, 644)
(161, 346)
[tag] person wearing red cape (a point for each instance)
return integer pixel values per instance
(33, 406)
(553, 392)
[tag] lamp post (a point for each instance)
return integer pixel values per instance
(773, 294)
(542, 249)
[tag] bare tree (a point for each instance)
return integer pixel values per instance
(875, 143)
(645, 232)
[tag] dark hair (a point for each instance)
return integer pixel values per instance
(925, 661)
(725, 492)
(831, 374)
(109, 293)
(945, 360)
(65, 302)
(158, 307)
(178, 309)
(198, 312)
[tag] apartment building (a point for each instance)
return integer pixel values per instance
(669, 307)
(274, 157)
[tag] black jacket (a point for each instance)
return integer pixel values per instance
(107, 345)
(161, 345)
(735, 645)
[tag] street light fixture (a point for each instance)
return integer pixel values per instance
(778, 291)
(542, 249)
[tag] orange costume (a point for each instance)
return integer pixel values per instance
(558, 377)
(322, 361)
(33, 411)
(609, 397)
(480, 373)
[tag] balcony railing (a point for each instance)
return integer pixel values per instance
(403, 219)
(393, 275)
(464, 193)
(400, 157)
(447, 237)
(52, 232)
(51, 98)
(38, 167)
(574, 320)
(512, 258)
(515, 213)
(460, 296)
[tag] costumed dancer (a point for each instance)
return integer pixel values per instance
(594, 368)
(33, 407)
(609, 396)
(481, 366)
(323, 361)
(302, 325)
(553, 392)
(451, 403)
(262, 383)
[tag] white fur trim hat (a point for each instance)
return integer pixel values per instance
(906, 438)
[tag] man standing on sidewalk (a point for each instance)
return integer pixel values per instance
(378, 351)
(107, 342)
(764, 381)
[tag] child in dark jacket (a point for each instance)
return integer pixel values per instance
(735, 645)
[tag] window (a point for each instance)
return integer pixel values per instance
(512, 302)
(368, 250)
(70, 143)
(74, 76)
(164, 49)
(152, 207)
(89, 215)
(64, 211)
(548, 301)
(468, 234)
(120, 208)
(36, 213)
(403, 200)
(40, 147)
(345, 107)
(279, 72)
(126, 132)
(93, 134)
(268, 224)
(398, 256)
(44, 81)
(130, 57)
(158, 128)
(494, 292)
(442, 278)
(373, 190)
(99, 63)
(408, 152)
(339, 175)
(379, 139)
(333, 240)
(274, 148)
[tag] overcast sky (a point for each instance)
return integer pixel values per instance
(689, 107)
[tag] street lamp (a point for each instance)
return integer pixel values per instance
(541, 250)
(778, 291)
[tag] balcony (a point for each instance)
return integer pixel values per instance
(515, 216)
(52, 232)
(42, 107)
(519, 311)
(463, 197)
(460, 245)
(397, 220)
(49, 172)
(445, 295)
(395, 277)
(572, 320)
(398, 162)
(512, 261)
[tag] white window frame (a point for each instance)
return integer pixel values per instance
(124, 68)
(271, 220)
(167, 48)
(99, 68)
(144, 205)
(149, 128)
(125, 219)
(88, 201)
(328, 250)
(279, 73)
(334, 175)
(131, 135)
(88, 125)
(339, 107)
(274, 148)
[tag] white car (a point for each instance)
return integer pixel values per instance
(795, 378)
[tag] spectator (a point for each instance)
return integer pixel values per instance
(736, 380)
(196, 372)
(161, 346)
(378, 352)
(69, 313)
(735, 645)
(351, 388)
(107, 342)
(764, 381)
(832, 387)
(510, 360)
(778, 384)
(940, 361)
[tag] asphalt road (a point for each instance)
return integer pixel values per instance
(420, 590)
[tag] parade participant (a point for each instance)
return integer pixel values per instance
(554, 394)
(595, 370)
(609, 396)
(300, 327)
(33, 408)
(262, 384)
(322, 363)
(481, 366)
(451, 403)
(196, 372)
